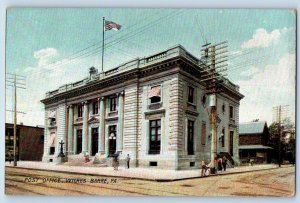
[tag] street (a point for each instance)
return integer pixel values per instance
(273, 182)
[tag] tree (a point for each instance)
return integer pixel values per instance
(273, 141)
(287, 148)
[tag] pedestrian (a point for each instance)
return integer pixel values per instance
(203, 168)
(224, 162)
(210, 168)
(9, 157)
(219, 164)
(128, 160)
(116, 163)
(86, 158)
(251, 162)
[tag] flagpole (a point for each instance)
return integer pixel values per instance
(103, 42)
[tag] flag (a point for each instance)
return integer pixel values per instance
(111, 25)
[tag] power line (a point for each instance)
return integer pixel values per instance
(118, 40)
(73, 56)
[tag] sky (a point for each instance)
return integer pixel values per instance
(52, 47)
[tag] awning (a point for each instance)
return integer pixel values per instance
(154, 92)
(254, 147)
(51, 140)
(52, 114)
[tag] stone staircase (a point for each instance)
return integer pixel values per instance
(79, 160)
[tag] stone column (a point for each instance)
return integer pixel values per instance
(85, 127)
(70, 130)
(101, 130)
(75, 141)
(106, 141)
(120, 122)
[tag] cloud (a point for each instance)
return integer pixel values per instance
(250, 72)
(45, 76)
(272, 86)
(262, 39)
(44, 55)
(28, 69)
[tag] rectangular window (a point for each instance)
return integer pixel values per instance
(113, 104)
(223, 137)
(79, 141)
(231, 112)
(152, 163)
(155, 94)
(203, 133)
(52, 150)
(190, 137)
(155, 133)
(79, 111)
(231, 143)
(112, 139)
(191, 95)
(95, 107)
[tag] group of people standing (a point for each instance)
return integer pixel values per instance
(220, 163)
(116, 162)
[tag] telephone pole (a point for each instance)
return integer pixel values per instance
(215, 59)
(279, 136)
(15, 81)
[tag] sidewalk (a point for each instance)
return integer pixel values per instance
(136, 173)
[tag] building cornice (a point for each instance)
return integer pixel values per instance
(186, 64)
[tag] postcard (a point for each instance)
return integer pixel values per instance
(150, 102)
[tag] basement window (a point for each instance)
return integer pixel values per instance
(192, 164)
(153, 163)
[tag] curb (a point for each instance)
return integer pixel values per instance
(147, 179)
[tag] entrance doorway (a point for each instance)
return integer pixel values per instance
(94, 141)
(112, 144)
(231, 143)
(79, 141)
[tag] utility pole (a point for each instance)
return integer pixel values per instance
(215, 61)
(15, 122)
(279, 136)
(15, 84)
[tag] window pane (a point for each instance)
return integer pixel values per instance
(159, 131)
(152, 123)
(153, 131)
(158, 123)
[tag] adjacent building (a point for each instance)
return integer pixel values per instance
(156, 109)
(253, 139)
(29, 142)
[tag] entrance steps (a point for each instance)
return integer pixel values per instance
(79, 160)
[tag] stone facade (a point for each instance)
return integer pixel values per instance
(142, 110)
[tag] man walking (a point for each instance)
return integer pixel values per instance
(224, 162)
(203, 168)
(128, 161)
